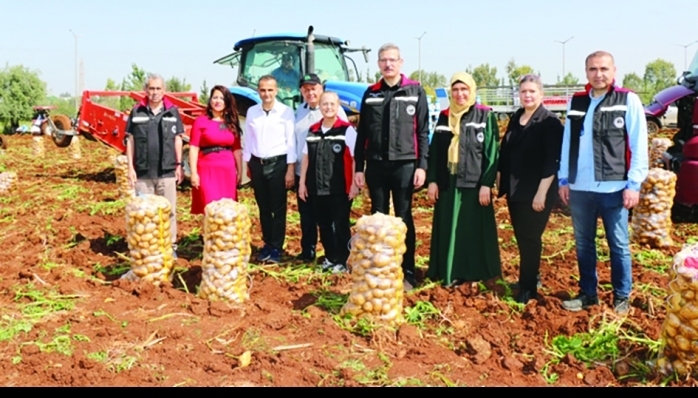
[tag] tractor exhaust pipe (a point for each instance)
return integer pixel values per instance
(310, 52)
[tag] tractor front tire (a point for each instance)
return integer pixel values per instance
(62, 122)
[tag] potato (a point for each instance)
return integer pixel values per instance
(657, 148)
(375, 261)
(74, 147)
(226, 251)
(651, 218)
(6, 180)
(121, 172)
(38, 148)
(150, 244)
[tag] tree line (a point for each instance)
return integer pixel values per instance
(21, 88)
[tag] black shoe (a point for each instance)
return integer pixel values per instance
(621, 306)
(410, 282)
(307, 256)
(516, 285)
(524, 296)
(581, 302)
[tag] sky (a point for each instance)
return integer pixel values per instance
(182, 38)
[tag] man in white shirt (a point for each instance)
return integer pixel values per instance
(308, 114)
(270, 153)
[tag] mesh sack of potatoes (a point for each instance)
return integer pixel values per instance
(651, 218)
(376, 268)
(657, 148)
(38, 146)
(74, 147)
(227, 251)
(679, 335)
(121, 172)
(148, 237)
(7, 178)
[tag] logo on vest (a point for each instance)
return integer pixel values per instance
(411, 110)
(336, 148)
(174, 129)
(619, 122)
(480, 137)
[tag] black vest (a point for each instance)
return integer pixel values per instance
(610, 136)
(473, 127)
(167, 120)
(329, 160)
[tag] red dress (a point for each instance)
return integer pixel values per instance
(217, 171)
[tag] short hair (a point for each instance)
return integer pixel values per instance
(266, 78)
(531, 78)
(331, 94)
(153, 76)
(388, 46)
(597, 54)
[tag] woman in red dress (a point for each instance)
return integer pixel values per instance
(215, 151)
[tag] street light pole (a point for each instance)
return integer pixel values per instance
(419, 55)
(685, 60)
(563, 54)
(76, 67)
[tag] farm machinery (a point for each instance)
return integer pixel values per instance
(682, 157)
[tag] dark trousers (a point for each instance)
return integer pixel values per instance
(269, 185)
(308, 222)
(332, 215)
(396, 177)
(528, 229)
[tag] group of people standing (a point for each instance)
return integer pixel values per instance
(327, 161)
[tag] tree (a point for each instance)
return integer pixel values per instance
(175, 85)
(20, 90)
(568, 80)
(204, 93)
(659, 74)
(484, 75)
(430, 81)
(64, 106)
(514, 72)
(377, 76)
(633, 82)
(369, 79)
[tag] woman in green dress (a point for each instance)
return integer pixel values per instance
(462, 171)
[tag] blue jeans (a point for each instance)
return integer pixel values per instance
(586, 207)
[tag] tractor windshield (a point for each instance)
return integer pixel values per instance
(693, 68)
(278, 59)
(329, 63)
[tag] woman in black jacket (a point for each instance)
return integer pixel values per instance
(527, 175)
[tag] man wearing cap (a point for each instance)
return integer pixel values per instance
(308, 113)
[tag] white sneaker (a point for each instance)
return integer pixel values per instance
(339, 269)
(327, 265)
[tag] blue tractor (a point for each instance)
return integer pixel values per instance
(287, 56)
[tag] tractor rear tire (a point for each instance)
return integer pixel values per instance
(62, 122)
(652, 127)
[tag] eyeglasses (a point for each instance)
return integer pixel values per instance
(386, 60)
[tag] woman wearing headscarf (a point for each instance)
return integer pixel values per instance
(462, 171)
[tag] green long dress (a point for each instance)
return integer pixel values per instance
(464, 242)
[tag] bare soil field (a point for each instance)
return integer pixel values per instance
(66, 319)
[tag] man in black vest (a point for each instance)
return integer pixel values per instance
(603, 163)
(154, 147)
(392, 145)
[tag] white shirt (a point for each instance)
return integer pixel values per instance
(349, 139)
(269, 135)
(306, 117)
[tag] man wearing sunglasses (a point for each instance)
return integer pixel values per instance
(392, 146)
(603, 163)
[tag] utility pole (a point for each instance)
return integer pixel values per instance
(685, 59)
(419, 55)
(76, 67)
(563, 55)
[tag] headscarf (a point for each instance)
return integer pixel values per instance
(455, 112)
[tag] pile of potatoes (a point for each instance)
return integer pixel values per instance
(6, 180)
(227, 251)
(75, 150)
(651, 218)
(376, 268)
(657, 149)
(148, 237)
(680, 328)
(121, 172)
(38, 148)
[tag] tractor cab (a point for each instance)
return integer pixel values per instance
(287, 56)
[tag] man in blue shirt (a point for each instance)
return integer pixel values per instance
(603, 163)
(286, 75)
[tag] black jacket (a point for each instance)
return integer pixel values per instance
(407, 123)
(143, 126)
(329, 160)
(529, 154)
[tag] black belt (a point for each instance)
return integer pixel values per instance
(208, 149)
(270, 160)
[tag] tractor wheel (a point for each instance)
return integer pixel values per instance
(62, 122)
(652, 127)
